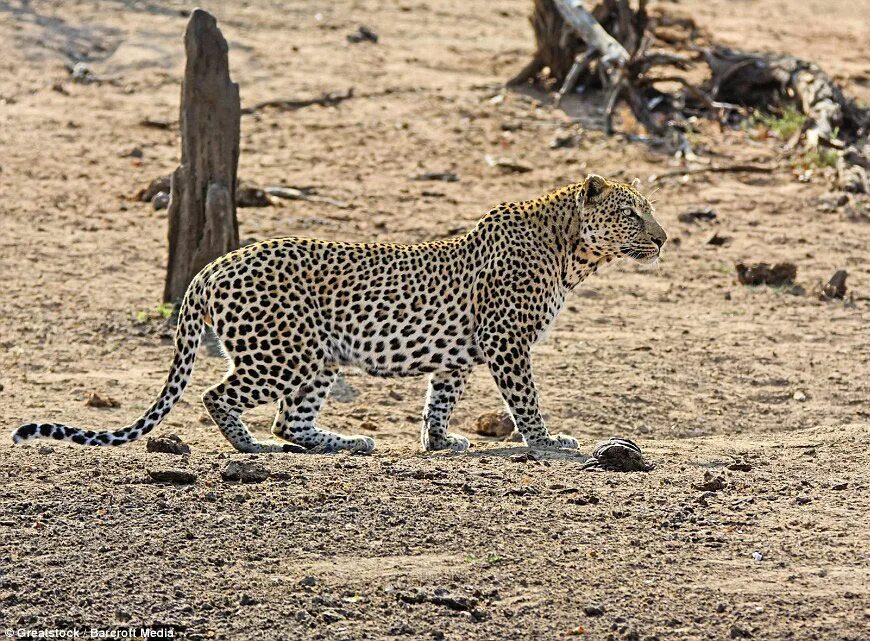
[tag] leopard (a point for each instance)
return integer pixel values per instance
(290, 313)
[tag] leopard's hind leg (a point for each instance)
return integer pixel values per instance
(296, 414)
(225, 403)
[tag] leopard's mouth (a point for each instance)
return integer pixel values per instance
(648, 254)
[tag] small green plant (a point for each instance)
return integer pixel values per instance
(163, 310)
(785, 125)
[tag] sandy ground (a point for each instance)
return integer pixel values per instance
(701, 371)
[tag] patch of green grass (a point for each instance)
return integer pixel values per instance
(784, 125)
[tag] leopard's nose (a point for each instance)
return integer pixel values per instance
(659, 241)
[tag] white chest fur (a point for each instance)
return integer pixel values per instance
(556, 305)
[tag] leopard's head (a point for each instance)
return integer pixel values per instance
(617, 221)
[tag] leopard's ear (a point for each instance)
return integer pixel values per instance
(635, 184)
(593, 188)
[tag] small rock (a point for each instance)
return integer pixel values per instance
(711, 483)
(160, 201)
(593, 610)
(331, 615)
(799, 396)
(82, 74)
(169, 444)
(834, 288)
(494, 424)
(718, 241)
(362, 34)
(738, 632)
(524, 457)
(369, 425)
(46, 449)
(802, 500)
(95, 399)
(156, 186)
(757, 556)
(697, 215)
(308, 581)
(765, 274)
(702, 498)
(402, 630)
(840, 486)
(172, 475)
(565, 142)
(244, 472)
(617, 455)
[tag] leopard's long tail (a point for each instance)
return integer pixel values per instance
(187, 338)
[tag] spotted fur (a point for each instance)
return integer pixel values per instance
(291, 312)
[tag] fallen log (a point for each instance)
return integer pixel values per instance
(616, 49)
(765, 81)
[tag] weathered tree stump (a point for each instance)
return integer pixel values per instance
(202, 210)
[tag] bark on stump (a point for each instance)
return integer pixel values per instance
(202, 209)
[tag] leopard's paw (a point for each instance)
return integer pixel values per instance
(332, 443)
(555, 441)
(360, 445)
(452, 442)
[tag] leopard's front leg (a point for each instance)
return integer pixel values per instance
(445, 389)
(510, 363)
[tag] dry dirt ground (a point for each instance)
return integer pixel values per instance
(701, 371)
